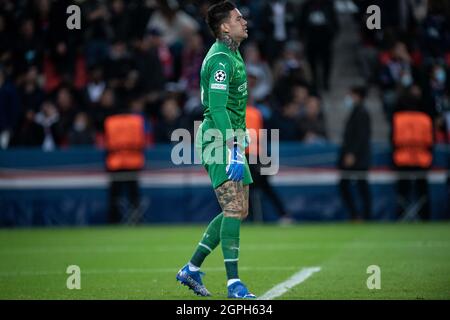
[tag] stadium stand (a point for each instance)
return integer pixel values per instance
(57, 87)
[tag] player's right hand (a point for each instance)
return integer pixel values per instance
(235, 166)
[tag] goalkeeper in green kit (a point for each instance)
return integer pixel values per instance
(221, 140)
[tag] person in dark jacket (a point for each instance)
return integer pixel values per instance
(276, 27)
(9, 108)
(354, 159)
(318, 26)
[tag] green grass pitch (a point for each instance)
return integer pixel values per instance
(141, 262)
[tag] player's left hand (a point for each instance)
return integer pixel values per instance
(235, 166)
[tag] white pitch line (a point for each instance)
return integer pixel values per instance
(283, 287)
(34, 273)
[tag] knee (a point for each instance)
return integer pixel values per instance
(235, 212)
(244, 213)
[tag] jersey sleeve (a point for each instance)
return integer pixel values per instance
(219, 81)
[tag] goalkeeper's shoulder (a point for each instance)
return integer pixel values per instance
(218, 57)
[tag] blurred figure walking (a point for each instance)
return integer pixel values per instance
(354, 159)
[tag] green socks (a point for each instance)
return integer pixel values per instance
(225, 230)
(209, 242)
(229, 235)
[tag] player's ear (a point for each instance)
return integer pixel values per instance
(225, 28)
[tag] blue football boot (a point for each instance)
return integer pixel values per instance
(193, 280)
(238, 290)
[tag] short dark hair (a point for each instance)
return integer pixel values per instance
(217, 14)
(360, 91)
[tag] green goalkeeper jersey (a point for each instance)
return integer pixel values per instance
(223, 84)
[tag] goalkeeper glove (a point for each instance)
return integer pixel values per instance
(235, 166)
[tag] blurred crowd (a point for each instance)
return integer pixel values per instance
(57, 85)
(409, 59)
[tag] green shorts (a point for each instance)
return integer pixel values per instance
(213, 154)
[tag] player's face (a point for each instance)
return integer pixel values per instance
(237, 26)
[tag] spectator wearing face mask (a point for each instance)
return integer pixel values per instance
(48, 118)
(436, 90)
(396, 75)
(354, 159)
